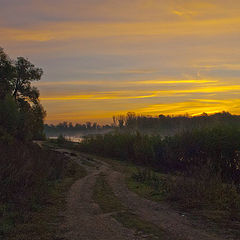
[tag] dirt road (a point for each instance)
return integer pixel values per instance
(85, 220)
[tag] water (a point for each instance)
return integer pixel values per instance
(72, 139)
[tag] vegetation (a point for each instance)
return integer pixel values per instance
(33, 180)
(30, 177)
(171, 125)
(35, 213)
(204, 162)
(202, 199)
(71, 129)
(21, 114)
(215, 148)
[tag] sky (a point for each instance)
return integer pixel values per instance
(107, 57)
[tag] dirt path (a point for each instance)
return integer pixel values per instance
(84, 219)
(86, 222)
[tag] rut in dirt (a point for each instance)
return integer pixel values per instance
(84, 219)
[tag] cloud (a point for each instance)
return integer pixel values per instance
(222, 66)
(193, 107)
(137, 94)
(184, 13)
(126, 83)
(61, 31)
(160, 82)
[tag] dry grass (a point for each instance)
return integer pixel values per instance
(203, 199)
(34, 213)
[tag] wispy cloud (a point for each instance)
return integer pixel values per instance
(127, 83)
(222, 66)
(193, 107)
(136, 94)
(83, 30)
(160, 82)
(101, 96)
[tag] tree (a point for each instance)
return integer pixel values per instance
(6, 74)
(121, 120)
(9, 115)
(26, 73)
(16, 77)
(88, 125)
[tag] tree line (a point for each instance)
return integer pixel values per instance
(68, 128)
(170, 124)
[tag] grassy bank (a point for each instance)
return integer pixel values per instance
(33, 188)
(210, 203)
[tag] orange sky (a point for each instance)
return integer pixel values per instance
(106, 57)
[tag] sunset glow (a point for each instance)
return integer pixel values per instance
(102, 58)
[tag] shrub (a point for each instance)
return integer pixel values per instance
(204, 191)
(25, 172)
(217, 147)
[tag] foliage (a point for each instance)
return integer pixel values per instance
(21, 114)
(185, 152)
(6, 74)
(9, 117)
(61, 139)
(204, 190)
(171, 125)
(25, 170)
(203, 165)
(33, 183)
(203, 193)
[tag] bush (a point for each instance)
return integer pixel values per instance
(61, 139)
(217, 147)
(204, 190)
(26, 171)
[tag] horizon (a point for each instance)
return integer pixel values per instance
(141, 115)
(145, 56)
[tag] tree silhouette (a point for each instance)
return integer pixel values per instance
(16, 77)
(6, 74)
(25, 73)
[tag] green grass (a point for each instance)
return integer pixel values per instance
(103, 195)
(144, 190)
(132, 221)
(43, 221)
(217, 221)
(109, 203)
